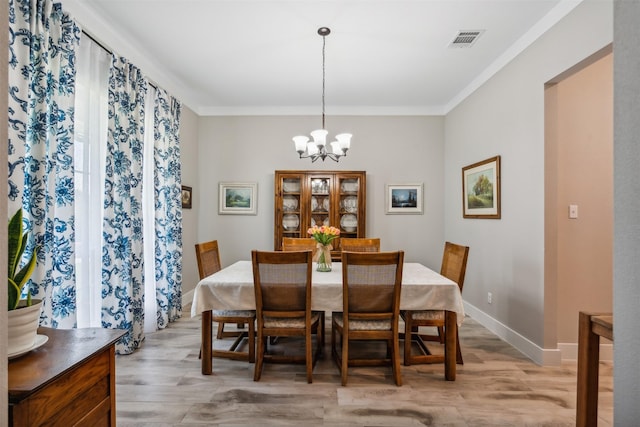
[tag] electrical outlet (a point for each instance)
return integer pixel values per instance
(489, 297)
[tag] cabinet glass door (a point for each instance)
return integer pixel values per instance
(349, 193)
(291, 206)
(320, 201)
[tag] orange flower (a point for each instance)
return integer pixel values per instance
(323, 234)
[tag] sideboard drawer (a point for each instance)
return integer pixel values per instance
(63, 388)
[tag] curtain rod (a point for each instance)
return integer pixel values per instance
(110, 52)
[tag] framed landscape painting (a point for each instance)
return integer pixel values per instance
(481, 189)
(238, 198)
(404, 198)
(186, 197)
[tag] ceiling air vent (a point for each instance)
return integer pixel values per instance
(466, 38)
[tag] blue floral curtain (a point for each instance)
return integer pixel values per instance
(168, 209)
(122, 243)
(42, 54)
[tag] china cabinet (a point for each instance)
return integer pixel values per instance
(307, 198)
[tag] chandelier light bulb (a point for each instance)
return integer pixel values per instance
(300, 143)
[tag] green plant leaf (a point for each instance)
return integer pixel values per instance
(15, 243)
(14, 295)
(23, 275)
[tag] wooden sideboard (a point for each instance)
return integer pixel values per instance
(68, 381)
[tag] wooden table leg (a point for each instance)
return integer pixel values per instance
(450, 332)
(207, 368)
(588, 365)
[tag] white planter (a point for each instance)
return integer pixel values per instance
(22, 325)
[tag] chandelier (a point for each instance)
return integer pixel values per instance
(317, 149)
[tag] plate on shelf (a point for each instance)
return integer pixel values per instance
(289, 203)
(350, 204)
(314, 204)
(349, 186)
(349, 222)
(290, 222)
(291, 186)
(39, 342)
(325, 204)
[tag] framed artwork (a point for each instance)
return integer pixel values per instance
(404, 198)
(186, 197)
(481, 189)
(238, 198)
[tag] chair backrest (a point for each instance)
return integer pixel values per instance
(360, 244)
(454, 262)
(282, 283)
(208, 258)
(298, 244)
(371, 283)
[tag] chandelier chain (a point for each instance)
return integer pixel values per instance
(324, 40)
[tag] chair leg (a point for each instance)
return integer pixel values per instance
(345, 355)
(407, 338)
(257, 370)
(458, 351)
(441, 334)
(220, 330)
(252, 342)
(395, 361)
(308, 355)
(334, 351)
(320, 339)
(322, 325)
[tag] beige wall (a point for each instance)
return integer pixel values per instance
(506, 117)
(188, 162)
(626, 373)
(392, 150)
(582, 122)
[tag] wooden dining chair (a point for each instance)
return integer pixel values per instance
(282, 286)
(208, 257)
(454, 267)
(371, 284)
(299, 244)
(352, 244)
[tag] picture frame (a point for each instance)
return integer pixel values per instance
(404, 198)
(187, 197)
(238, 198)
(481, 189)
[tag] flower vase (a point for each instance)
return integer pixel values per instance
(324, 259)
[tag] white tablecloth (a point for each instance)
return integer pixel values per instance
(232, 288)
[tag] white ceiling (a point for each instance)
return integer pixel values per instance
(265, 56)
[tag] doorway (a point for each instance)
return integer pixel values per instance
(578, 199)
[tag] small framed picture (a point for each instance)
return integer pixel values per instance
(404, 198)
(481, 189)
(186, 197)
(238, 198)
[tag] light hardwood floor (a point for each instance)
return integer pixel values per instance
(161, 385)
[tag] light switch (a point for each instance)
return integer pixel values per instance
(573, 211)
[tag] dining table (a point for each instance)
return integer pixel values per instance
(231, 288)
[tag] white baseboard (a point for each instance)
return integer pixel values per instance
(187, 299)
(539, 355)
(570, 351)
